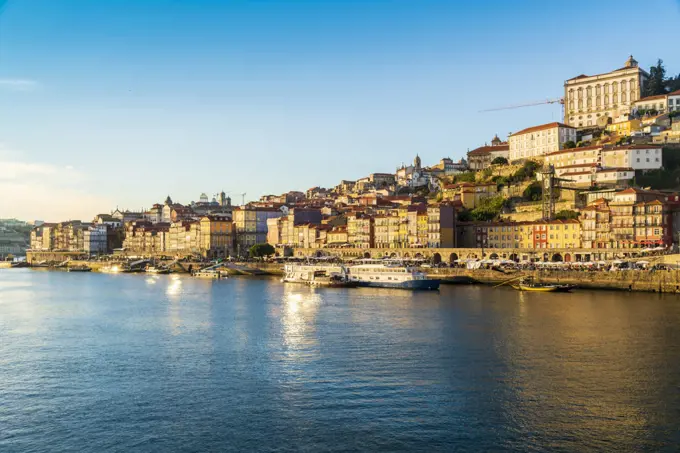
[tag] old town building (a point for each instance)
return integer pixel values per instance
(587, 99)
(535, 142)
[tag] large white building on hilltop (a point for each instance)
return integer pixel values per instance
(536, 142)
(589, 98)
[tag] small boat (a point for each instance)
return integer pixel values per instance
(82, 268)
(157, 270)
(213, 274)
(529, 285)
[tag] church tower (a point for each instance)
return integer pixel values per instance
(496, 141)
(416, 162)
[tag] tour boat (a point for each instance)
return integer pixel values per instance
(389, 276)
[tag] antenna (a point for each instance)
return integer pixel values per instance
(243, 198)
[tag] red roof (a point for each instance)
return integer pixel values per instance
(488, 149)
(574, 150)
(541, 127)
(651, 98)
(674, 93)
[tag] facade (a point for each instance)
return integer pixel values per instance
(360, 230)
(633, 218)
(625, 128)
(588, 99)
(528, 235)
(662, 103)
(95, 239)
(250, 226)
(481, 158)
(216, 236)
(535, 142)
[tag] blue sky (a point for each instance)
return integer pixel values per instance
(119, 103)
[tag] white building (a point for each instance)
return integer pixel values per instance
(536, 142)
(662, 103)
(589, 98)
(95, 239)
(637, 157)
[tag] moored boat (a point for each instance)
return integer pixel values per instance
(158, 270)
(529, 285)
(82, 268)
(391, 276)
(209, 274)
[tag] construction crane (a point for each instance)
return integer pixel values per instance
(529, 104)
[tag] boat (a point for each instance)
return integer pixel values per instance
(81, 268)
(334, 280)
(304, 273)
(390, 276)
(157, 270)
(211, 274)
(529, 285)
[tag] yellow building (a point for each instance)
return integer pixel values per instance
(469, 194)
(337, 237)
(216, 236)
(624, 128)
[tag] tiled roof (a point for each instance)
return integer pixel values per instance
(651, 98)
(488, 149)
(541, 127)
(574, 150)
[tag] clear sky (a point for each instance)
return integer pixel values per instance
(120, 103)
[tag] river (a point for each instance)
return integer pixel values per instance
(118, 363)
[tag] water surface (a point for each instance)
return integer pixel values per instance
(109, 363)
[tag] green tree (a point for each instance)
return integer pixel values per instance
(261, 250)
(656, 83)
(570, 144)
(488, 209)
(527, 171)
(467, 176)
(500, 160)
(533, 192)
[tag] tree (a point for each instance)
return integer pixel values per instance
(500, 160)
(533, 192)
(488, 209)
(467, 176)
(656, 83)
(261, 250)
(569, 145)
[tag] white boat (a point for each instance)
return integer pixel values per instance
(390, 276)
(207, 274)
(306, 273)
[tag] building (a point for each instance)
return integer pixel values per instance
(95, 239)
(216, 236)
(662, 103)
(360, 230)
(441, 225)
(250, 225)
(481, 158)
(590, 100)
(535, 142)
(637, 157)
(625, 128)
(633, 218)
(542, 234)
(469, 194)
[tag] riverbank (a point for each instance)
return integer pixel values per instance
(627, 280)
